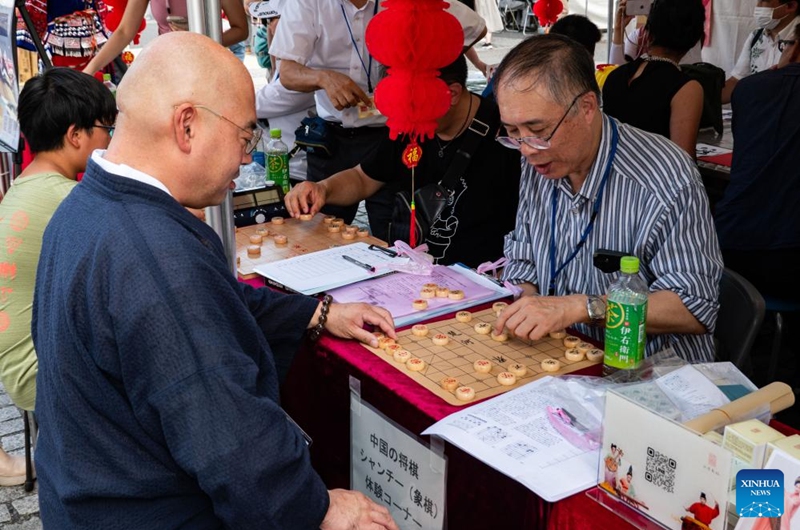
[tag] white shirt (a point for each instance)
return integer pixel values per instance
(285, 109)
(314, 33)
(762, 55)
(126, 171)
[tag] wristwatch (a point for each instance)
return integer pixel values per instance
(596, 307)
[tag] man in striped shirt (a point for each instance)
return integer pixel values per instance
(591, 183)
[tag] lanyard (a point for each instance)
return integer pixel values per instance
(588, 230)
(367, 69)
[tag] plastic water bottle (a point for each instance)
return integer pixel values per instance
(259, 157)
(110, 84)
(626, 313)
(278, 160)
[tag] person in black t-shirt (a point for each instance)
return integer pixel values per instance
(652, 92)
(483, 205)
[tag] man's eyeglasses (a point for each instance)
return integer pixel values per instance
(783, 44)
(109, 128)
(255, 134)
(537, 142)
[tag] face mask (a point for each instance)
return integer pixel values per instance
(763, 16)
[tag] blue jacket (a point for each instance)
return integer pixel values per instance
(157, 389)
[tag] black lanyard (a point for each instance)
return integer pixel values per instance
(588, 230)
(367, 69)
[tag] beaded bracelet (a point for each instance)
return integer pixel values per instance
(316, 331)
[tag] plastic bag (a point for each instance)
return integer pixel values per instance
(418, 262)
(252, 175)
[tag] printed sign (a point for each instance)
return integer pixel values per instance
(394, 469)
(662, 469)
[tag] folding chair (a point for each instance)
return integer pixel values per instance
(741, 311)
(513, 12)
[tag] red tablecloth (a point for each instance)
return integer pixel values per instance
(721, 160)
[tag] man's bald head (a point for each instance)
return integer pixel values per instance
(181, 67)
(186, 113)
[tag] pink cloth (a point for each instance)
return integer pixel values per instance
(158, 8)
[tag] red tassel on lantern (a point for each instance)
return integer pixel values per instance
(547, 11)
(411, 157)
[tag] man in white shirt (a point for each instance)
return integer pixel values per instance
(322, 47)
(284, 109)
(776, 20)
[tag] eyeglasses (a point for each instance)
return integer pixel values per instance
(537, 142)
(255, 133)
(109, 128)
(783, 44)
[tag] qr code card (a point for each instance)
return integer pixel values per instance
(661, 468)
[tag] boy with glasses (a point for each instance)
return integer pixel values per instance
(64, 116)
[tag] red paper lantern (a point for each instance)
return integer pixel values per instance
(412, 102)
(413, 39)
(547, 11)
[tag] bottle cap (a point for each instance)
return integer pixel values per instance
(629, 264)
(274, 133)
(106, 77)
(270, 183)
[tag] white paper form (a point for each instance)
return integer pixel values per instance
(316, 272)
(512, 433)
(711, 150)
(691, 391)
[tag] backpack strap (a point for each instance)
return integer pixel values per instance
(756, 35)
(485, 122)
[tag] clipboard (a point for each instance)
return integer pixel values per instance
(320, 271)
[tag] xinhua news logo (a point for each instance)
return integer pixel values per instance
(759, 493)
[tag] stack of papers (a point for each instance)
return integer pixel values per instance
(395, 293)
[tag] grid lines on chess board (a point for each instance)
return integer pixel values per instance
(304, 237)
(467, 346)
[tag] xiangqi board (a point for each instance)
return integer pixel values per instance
(461, 358)
(301, 236)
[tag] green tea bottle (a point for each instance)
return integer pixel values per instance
(626, 313)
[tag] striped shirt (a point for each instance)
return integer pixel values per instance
(654, 207)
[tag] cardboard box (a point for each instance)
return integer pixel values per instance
(748, 441)
(28, 65)
(789, 445)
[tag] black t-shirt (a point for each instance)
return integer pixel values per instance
(646, 101)
(484, 208)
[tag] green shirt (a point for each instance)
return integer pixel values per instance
(24, 213)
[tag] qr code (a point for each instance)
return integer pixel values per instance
(660, 470)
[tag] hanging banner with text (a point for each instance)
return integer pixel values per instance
(394, 469)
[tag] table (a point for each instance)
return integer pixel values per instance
(716, 174)
(316, 394)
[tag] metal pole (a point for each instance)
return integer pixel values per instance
(610, 31)
(204, 17)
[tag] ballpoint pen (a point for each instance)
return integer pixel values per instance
(361, 264)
